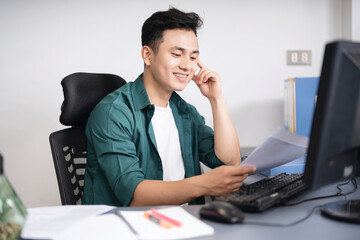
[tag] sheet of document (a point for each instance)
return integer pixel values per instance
(146, 229)
(49, 222)
(279, 148)
(106, 226)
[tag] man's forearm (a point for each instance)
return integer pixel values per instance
(226, 143)
(156, 192)
(218, 182)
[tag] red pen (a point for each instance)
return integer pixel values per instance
(162, 216)
(158, 220)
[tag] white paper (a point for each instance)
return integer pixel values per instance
(146, 229)
(49, 222)
(279, 148)
(102, 227)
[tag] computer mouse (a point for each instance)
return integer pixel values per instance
(224, 212)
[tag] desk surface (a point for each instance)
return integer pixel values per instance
(315, 227)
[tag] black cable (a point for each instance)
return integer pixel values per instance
(310, 199)
(354, 182)
(282, 224)
(338, 194)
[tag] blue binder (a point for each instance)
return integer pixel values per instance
(300, 101)
(305, 101)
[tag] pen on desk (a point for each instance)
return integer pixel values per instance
(157, 220)
(161, 216)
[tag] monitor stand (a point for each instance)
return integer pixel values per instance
(345, 210)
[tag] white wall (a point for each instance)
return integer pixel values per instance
(43, 41)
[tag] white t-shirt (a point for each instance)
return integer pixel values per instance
(168, 144)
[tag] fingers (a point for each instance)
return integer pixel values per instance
(238, 171)
(201, 64)
(226, 179)
(235, 185)
(204, 74)
(236, 177)
(247, 169)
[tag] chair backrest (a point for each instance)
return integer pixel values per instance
(68, 148)
(82, 91)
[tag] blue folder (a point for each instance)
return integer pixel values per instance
(304, 94)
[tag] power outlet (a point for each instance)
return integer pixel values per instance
(298, 57)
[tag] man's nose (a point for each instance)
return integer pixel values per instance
(185, 63)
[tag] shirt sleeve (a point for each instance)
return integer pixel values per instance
(110, 133)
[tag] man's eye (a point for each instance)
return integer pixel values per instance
(176, 55)
(193, 58)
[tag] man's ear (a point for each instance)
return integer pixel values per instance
(147, 55)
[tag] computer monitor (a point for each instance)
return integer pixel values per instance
(334, 146)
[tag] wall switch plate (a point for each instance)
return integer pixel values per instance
(298, 57)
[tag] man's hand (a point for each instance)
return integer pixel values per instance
(218, 182)
(208, 81)
(225, 179)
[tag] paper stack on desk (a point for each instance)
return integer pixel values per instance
(131, 225)
(279, 148)
(50, 222)
(101, 227)
(145, 229)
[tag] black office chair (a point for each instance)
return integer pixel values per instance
(82, 91)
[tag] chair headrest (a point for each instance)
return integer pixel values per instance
(82, 91)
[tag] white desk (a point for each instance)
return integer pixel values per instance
(315, 227)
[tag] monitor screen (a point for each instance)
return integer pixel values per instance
(333, 152)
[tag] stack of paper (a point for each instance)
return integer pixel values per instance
(84, 222)
(146, 229)
(50, 222)
(102, 227)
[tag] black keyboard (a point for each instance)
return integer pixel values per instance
(268, 192)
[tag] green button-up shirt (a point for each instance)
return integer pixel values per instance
(122, 148)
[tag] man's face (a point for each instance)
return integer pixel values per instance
(175, 62)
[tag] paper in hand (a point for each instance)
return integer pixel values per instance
(279, 148)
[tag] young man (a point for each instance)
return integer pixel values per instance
(145, 142)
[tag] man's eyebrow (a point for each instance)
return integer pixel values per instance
(184, 50)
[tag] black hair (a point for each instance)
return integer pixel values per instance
(153, 28)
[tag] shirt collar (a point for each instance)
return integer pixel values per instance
(178, 101)
(141, 98)
(139, 94)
